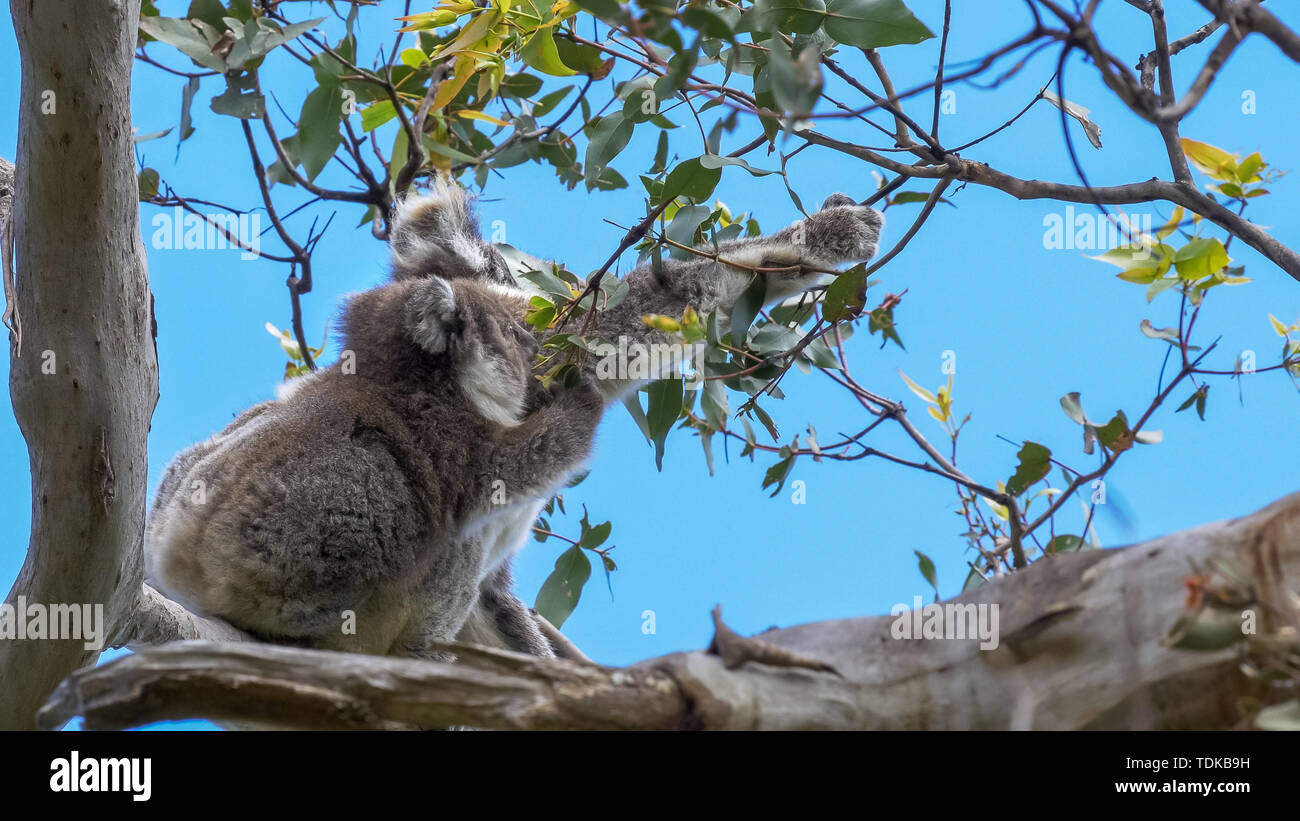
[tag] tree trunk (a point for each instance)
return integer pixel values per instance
(85, 381)
(1082, 644)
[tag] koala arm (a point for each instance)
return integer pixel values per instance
(552, 441)
(789, 261)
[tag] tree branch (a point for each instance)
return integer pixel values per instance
(1080, 644)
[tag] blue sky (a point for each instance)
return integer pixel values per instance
(1026, 323)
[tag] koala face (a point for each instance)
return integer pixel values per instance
(477, 329)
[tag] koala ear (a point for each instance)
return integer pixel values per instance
(432, 315)
(838, 201)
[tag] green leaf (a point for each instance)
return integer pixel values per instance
(1200, 258)
(1198, 399)
(147, 180)
(1115, 433)
(187, 98)
(974, 579)
(209, 11)
(746, 308)
(665, 405)
(1248, 170)
(546, 104)
(1128, 257)
(789, 16)
(144, 138)
(882, 319)
(713, 21)
(609, 9)
(186, 37)
(713, 403)
(1211, 160)
(796, 79)
(1065, 543)
(926, 566)
(634, 409)
(873, 23)
(581, 57)
(714, 161)
(684, 223)
(375, 115)
(777, 474)
(521, 85)
(318, 129)
(593, 537)
(1073, 408)
(562, 589)
(690, 179)
(641, 105)
(1035, 461)
(918, 390)
(606, 139)
(239, 99)
(1153, 332)
(847, 295)
(540, 53)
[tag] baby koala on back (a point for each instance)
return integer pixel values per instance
(377, 493)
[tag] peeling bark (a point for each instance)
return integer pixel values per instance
(1081, 647)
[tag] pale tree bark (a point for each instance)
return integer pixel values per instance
(1082, 644)
(85, 382)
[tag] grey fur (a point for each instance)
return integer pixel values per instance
(378, 491)
(372, 492)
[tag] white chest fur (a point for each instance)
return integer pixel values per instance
(504, 530)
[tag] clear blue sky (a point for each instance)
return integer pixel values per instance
(1027, 324)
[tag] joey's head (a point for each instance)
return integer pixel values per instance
(476, 332)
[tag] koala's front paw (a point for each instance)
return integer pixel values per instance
(580, 395)
(843, 231)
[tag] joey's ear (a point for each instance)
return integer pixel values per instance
(433, 316)
(837, 201)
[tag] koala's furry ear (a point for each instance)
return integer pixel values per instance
(436, 234)
(838, 200)
(433, 315)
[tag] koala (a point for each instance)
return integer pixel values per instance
(437, 233)
(401, 492)
(392, 493)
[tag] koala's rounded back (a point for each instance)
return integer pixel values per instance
(364, 491)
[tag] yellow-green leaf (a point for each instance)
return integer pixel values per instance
(1211, 160)
(540, 53)
(470, 114)
(1169, 227)
(1200, 258)
(1278, 327)
(918, 390)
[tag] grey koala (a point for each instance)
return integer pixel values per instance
(392, 492)
(373, 492)
(435, 234)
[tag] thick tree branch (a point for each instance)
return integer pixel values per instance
(1081, 643)
(84, 300)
